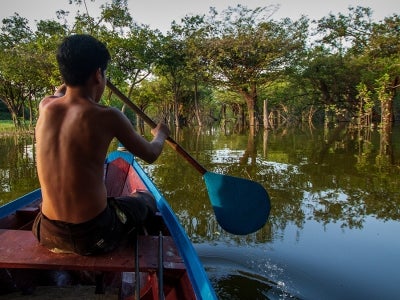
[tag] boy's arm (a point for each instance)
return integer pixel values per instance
(149, 151)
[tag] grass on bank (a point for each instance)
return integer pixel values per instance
(6, 125)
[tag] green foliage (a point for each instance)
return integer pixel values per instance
(190, 69)
(342, 30)
(244, 47)
(382, 89)
(6, 125)
(353, 50)
(25, 68)
(364, 96)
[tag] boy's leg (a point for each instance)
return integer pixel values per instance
(135, 210)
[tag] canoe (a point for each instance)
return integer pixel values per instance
(159, 263)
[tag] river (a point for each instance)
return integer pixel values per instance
(333, 230)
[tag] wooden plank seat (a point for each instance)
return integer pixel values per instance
(20, 249)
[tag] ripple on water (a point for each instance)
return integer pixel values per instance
(236, 273)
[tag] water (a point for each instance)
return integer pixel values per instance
(333, 228)
(17, 167)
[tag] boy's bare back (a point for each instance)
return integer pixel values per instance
(73, 134)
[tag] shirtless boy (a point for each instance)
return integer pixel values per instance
(73, 134)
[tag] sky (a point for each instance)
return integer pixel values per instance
(159, 14)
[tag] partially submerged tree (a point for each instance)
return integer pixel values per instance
(245, 50)
(367, 53)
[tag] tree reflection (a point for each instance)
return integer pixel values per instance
(17, 166)
(328, 175)
(335, 187)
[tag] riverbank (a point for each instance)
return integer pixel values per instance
(7, 128)
(6, 125)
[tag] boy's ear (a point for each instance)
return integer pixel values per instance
(99, 75)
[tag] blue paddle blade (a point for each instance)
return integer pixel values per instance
(241, 206)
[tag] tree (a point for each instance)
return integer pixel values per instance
(367, 52)
(343, 33)
(171, 63)
(25, 69)
(383, 54)
(193, 33)
(335, 79)
(131, 45)
(133, 55)
(245, 50)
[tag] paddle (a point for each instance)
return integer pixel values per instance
(241, 206)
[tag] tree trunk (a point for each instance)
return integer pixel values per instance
(387, 111)
(196, 105)
(265, 114)
(251, 112)
(265, 143)
(223, 114)
(251, 100)
(30, 113)
(176, 110)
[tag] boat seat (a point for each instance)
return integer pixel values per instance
(19, 249)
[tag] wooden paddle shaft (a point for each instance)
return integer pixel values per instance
(152, 124)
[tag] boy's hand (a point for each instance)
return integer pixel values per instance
(161, 129)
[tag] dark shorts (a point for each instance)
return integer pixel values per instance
(101, 234)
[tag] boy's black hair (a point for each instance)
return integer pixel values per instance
(79, 56)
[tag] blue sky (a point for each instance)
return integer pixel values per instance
(160, 13)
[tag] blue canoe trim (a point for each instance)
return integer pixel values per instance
(198, 276)
(18, 203)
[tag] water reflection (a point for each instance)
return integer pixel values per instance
(332, 199)
(17, 166)
(335, 214)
